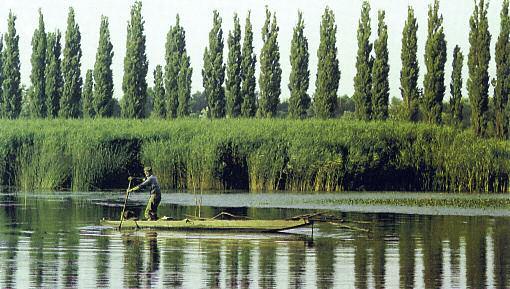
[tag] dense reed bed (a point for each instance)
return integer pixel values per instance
(309, 155)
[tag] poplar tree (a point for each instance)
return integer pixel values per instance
(328, 73)
(175, 48)
(158, 97)
(299, 78)
(435, 60)
(380, 72)
(88, 90)
(456, 87)
(70, 102)
(410, 68)
(478, 65)
(213, 72)
(11, 91)
(103, 75)
(363, 78)
(233, 79)
(184, 85)
(134, 84)
(502, 86)
(3, 104)
(249, 102)
(37, 92)
(270, 71)
(53, 74)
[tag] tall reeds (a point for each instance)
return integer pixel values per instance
(272, 154)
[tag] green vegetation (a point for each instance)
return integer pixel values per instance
(103, 75)
(158, 98)
(299, 78)
(502, 86)
(213, 72)
(478, 65)
(380, 71)
(53, 74)
(249, 105)
(11, 91)
(87, 94)
(311, 155)
(270, 71)
(435, 59)
(234, 78)
(38, 60)
(456, 87)
(363, 78)
(70, 103)
(136, 65)
(410, 68)
(328, 73)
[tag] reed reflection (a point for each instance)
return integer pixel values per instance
(153, 260)
(211, 250)
(297, 263)
(102, 261)
(232, 263)
(173, 262)
(133, 261)
(267, 264)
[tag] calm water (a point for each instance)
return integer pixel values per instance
(54, 241)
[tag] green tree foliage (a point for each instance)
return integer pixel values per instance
(11, 91)
(478, 64)
(502, 88)
(70, 102)
(184, 85)
(53, 74)
(456, 87)
(175, 49)
(435, 59)
(233, 80)
(249, 102)
(158, 98)
(270, 71)
(299, 78)
(134, 84)
(380, 72)
(37, 92)
(328, 73)
(88, 95)
(363, 78)
(410, 68)
(213, 72)
(103, 76)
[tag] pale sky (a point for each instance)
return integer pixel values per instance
(196, 18)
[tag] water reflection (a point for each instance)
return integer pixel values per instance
(45, 242)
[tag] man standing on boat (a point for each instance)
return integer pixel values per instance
(155, 195)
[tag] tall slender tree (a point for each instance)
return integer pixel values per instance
(37, 92)
(103, 75)
(158, 98)
(456, 87)
(299, 78)
(410, 68)
(134, 83)
(11, 91)
(88, 90)
(270, 71)
(3, 103)
(184, 85)
(175, 48)
(249, 104)
(363, 78)
(502, 88)
(328, 73)
(435, 60)
(233, 80)
(380, 72)
(213, 72)
(70, 102)
(53, 74)
(478, 65)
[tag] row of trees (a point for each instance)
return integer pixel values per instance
(57, 90)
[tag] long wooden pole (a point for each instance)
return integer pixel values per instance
(125, 202)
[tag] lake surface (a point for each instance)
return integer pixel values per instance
(53, 240)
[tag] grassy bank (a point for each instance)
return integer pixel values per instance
(311, 155)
